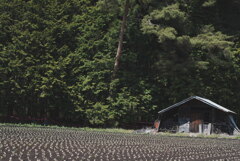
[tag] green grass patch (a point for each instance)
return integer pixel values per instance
(113, 130)
(199, 135)
(172, 134)
(238, 137)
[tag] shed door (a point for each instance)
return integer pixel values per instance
(196, 120)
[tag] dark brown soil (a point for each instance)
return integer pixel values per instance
(22, 143)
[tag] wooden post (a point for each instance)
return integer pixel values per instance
(209, 129)
(200, 128)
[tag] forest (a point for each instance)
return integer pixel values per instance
(115, 63)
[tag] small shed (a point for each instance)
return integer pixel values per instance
(197, 115)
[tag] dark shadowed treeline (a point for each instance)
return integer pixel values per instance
(57, 58)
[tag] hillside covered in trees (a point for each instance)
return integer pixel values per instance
(57, 58)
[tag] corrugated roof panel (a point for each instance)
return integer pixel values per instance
(204, 100)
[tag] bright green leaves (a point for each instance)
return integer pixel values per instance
(214, 47)
(166, 23)
(172, 25)
(209, 3)
(99, 114)
(169, 14)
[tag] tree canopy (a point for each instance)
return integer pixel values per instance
(57, 58)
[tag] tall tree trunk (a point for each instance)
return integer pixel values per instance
(120, 43)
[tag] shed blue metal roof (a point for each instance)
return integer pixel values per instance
(204, 100)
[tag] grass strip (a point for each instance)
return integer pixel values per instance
(113, 130)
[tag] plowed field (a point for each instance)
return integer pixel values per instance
(24, 143)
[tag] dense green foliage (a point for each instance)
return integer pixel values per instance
(57, 56)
